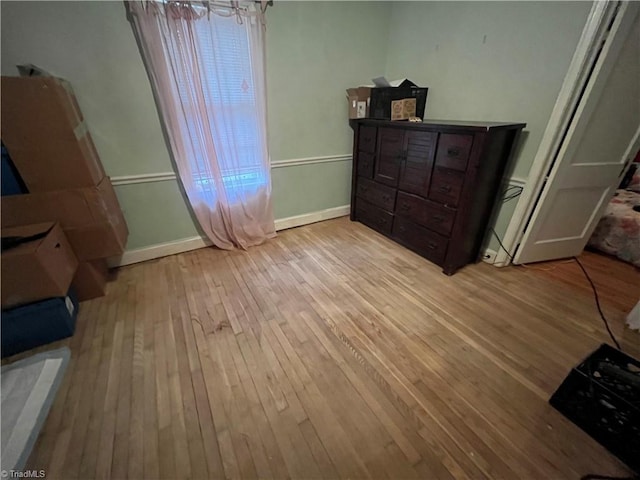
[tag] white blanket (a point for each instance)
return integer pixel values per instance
(29, 387)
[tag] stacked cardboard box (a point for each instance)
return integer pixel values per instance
(51, 147)
(90, 216)
(38, 305)
(40, 264)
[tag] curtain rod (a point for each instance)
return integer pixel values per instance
(218, 3)
(263, 4)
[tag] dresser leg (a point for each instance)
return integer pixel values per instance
(449, 270)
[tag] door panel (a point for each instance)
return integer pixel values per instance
(558, 225)
(390, 153)
(591, 161)
(415, 172)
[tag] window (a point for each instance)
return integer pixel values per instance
(206, 65)
(225, 86)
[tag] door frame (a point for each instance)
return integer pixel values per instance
(617, 17)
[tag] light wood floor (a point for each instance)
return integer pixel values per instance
(328, 352)
(616, 281)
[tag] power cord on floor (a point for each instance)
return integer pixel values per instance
(592, 476)
(510, 196)
(595, 294)
(593, 287)
(511, 256)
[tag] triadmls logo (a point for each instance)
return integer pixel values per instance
(23, 474)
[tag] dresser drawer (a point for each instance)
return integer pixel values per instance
(380, 195)
(367, 139)
(426, 213)
(425, 242)
(446, 186)
(453, 151)
(365, 164)
(373, 216)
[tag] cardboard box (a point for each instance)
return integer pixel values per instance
(99, 240)
(74, 207)
(359, 99)
(91, 279)
(38, 269)
(90, 217)
(46, 136)
(403, 109)
(30, 326)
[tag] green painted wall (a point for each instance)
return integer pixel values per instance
(155, 213)
(480, 60)
(501, 61)
(91, 45)
(310, 188)
(315, 51)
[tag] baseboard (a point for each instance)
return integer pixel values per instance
(193, 243)
(313, 217)
(159, 250)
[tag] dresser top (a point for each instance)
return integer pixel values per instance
(448, 124)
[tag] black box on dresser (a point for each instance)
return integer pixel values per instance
(430, 186)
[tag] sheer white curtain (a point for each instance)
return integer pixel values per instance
(207, 68)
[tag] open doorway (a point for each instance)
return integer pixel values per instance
(598, 143)
(618, 230)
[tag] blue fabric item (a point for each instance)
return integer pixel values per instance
(11, 182)
(38, 323)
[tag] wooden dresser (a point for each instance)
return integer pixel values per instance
(430, 186)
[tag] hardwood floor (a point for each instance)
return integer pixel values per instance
(328, 352)
(617, 281)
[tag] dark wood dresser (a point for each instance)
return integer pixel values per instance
(430, 186)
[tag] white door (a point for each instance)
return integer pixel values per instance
(600, 142)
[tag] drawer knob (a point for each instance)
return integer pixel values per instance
(453, 152)
(432, 246)
(386, 197)
(403, 228)
(405, 206)
(438, 219)
(444, 188)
